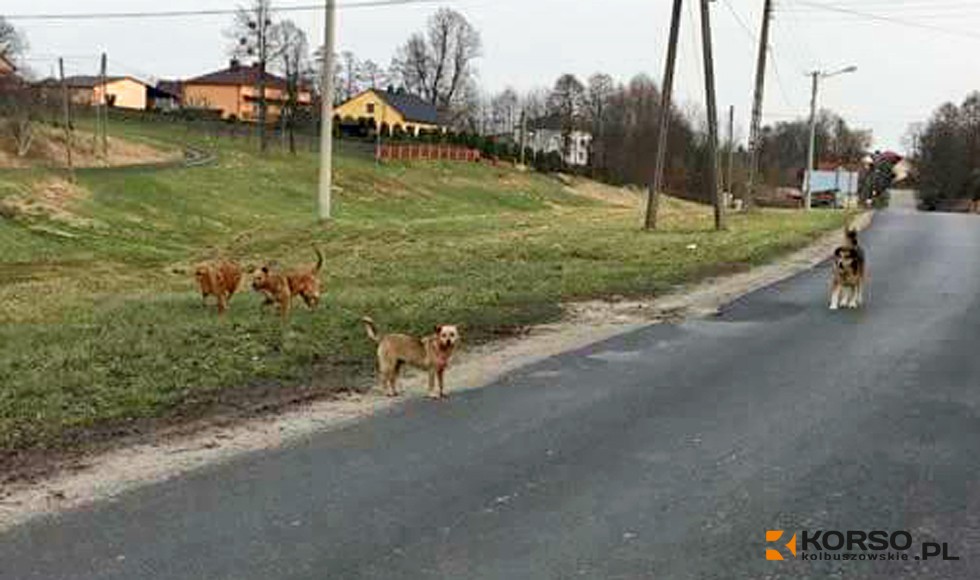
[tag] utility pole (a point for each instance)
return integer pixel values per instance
(378, 127)
(730, 188)
(105, 109)
(66, 105)
(523, 133)
(760, 86)
(811, 148)
(709, 88)
(326, 112)
(653, 196)
(262, 28)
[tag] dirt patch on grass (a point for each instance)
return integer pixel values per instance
(37, 485)
(54, 198)
(48, 150)
(619, 196)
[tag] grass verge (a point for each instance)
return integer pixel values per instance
(98, 333)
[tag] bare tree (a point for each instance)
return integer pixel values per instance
(294, 60)
(252, 35)
(534, 103)
(504, 111)
(351, 74)
(12, 42)
(438, 65)
(567, 103)
(600, 90)
(373, 75)
(20, 109)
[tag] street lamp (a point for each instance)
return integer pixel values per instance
(811, 150)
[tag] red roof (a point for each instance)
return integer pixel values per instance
(238, 75)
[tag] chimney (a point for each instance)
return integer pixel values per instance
(234, 64)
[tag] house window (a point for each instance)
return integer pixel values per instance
(370, 108)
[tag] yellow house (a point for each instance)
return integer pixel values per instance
(234, 92)
(122, 92)
(88, 91)
(389, 110)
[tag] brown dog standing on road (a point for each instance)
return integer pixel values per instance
(219, 279)
(430, 353)
(280, 288)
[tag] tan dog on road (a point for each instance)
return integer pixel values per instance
(280, 288)
(430, 353)
(219, 279)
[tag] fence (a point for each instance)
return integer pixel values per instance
(427, 151)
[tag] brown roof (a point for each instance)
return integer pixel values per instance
(239, 75)
(173, 88)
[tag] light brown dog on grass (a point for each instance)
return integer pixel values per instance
(430, 353)
(219, 279)
(280, 288)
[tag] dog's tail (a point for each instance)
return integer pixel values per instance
(319, 259)
(372, 330)
(852, 236)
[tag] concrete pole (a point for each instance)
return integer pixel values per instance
(811, 149)
(653, 196)
(326, 112)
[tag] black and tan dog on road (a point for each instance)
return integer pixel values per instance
(850, 269)
(431, 353)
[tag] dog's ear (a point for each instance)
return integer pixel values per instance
(438, 328)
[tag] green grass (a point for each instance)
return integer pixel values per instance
(96, 329)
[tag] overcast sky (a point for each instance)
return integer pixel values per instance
(904, 73)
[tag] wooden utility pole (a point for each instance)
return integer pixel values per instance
(326, 112)
(653, 196)
(730, 184)
(523, 133)
(104, 121)
(262, 28)
(709, 88)
(760, 85)
(378, 129)
(66, 104)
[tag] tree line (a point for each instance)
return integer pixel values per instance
(946, 153)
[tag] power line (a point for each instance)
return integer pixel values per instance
(206, 12)
(741, 23)
(782, 89)
(779, 79)
(889, 19)
(800, 43)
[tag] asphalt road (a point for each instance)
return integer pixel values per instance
(665, 453)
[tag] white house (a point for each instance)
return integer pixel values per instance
(545, 136)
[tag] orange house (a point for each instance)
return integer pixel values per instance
(234, 92)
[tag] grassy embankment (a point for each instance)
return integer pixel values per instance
(98, 332)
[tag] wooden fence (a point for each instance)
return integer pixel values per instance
(427, 151)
